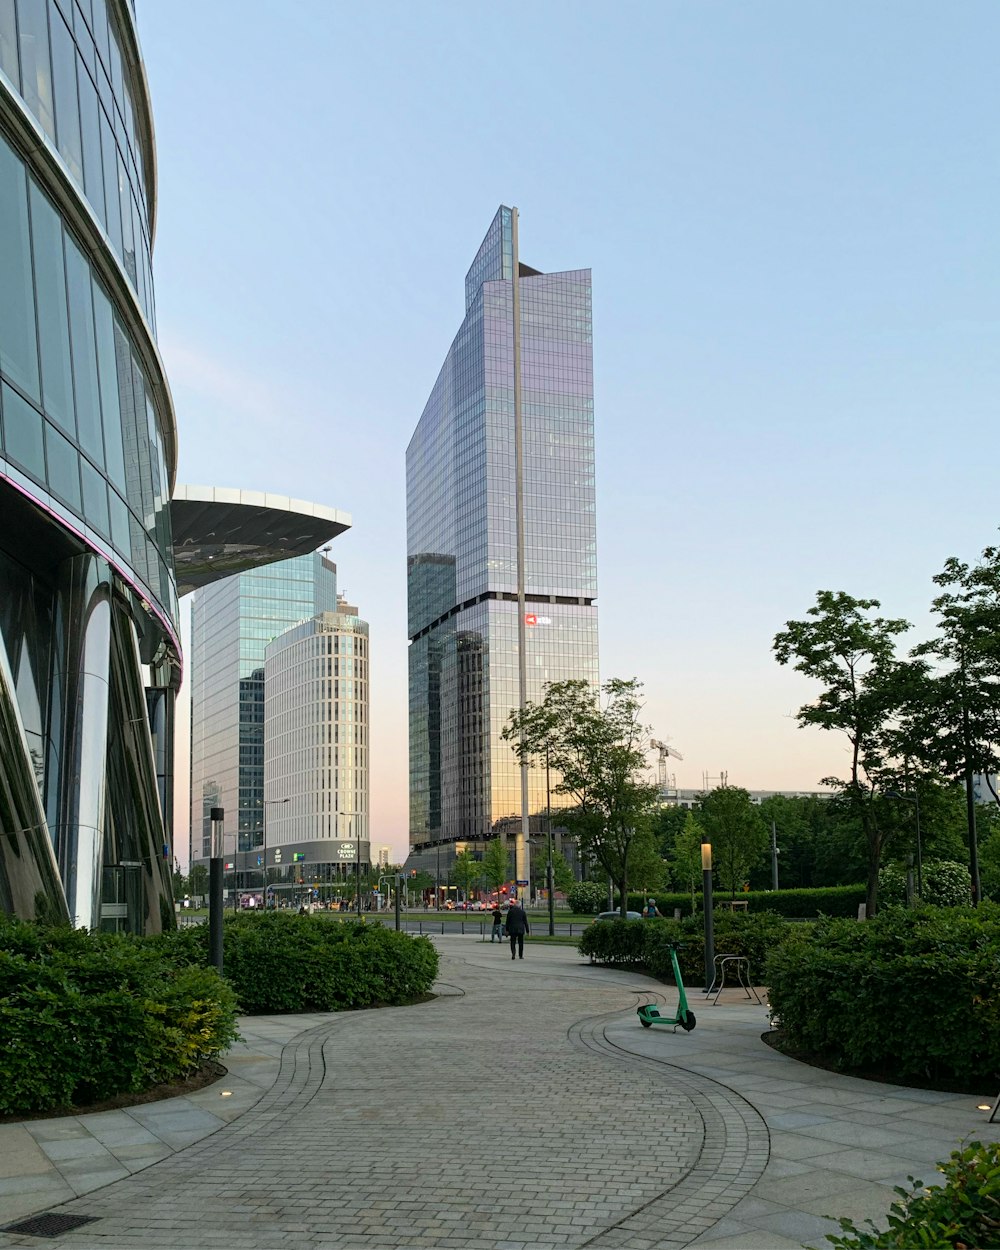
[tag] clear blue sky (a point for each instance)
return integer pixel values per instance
(791, 213)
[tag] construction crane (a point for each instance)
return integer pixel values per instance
(665, 753)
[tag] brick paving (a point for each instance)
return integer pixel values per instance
(497, 1117)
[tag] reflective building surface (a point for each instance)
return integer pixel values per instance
(462, 519)
(316, 746)
(89, 654)
(232, 623)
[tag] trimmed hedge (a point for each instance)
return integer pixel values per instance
(88, 1016)
(913, 994)
(840, 900)
(280, 961)
(646, 943)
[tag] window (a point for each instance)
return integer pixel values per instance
(53, 316)
(22, 427)
(64, 468)
(18, 350)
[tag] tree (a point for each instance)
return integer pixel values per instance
(596, 745)
(198, 880)
(466, 871)
(646, 865)
(958, 723)
(866, 688)
(496, 864)
(178, 881)
(737, 832)
(686, 865)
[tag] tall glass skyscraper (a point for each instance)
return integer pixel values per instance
(501, 539)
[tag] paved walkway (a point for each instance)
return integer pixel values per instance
(523, 1109)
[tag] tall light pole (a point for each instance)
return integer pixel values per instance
(263, 854)
(774, 856)
(915, 799)
(550, 874)
(706, 894)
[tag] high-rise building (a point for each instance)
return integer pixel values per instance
(316, 747)
(89, 644)
(90, 657)
(232, 621)
(501, 545)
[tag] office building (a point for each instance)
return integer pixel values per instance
(89, 643)
(232, 622)
(501, 546)
(316, 780)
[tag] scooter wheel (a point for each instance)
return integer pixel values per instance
(688, 1023)
(646, 1024)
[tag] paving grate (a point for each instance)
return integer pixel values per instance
(49, 1224)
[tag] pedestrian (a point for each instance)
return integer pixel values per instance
(517, 927)
(651, 910)
(497, 932)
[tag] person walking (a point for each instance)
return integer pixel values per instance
(496, 934)
(651, 910)
(517, 927)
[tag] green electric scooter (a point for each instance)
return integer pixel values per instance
(649, 1014)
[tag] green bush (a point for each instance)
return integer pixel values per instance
(911, 994)
(280, 961)
(646, 943)
(964, 1211)
(841, 900)
(88, 1016)
(945, 884)
(618, 942)
(587, 898)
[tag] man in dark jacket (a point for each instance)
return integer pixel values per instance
(517, 927)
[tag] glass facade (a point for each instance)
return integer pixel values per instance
(71, 65)
(232, 622)
(462, 540)
(316, 735)
(89, 647)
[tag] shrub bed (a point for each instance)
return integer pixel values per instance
(88, 1016)
(280, 961)
(841, 900)
(911, 995)
(646, 943)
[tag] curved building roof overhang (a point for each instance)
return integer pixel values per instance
(218, 532)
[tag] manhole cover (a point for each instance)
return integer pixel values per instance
(49, 1224)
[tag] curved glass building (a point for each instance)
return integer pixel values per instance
(89, 644)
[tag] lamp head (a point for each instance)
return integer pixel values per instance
(706, 856)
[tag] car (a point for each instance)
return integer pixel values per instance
(616, 915)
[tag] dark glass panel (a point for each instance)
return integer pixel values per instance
(90, 128)
(67, 107)
(81, 316)
(36, 72)
(22, 434)
(109, 160)
(18, 349)
(119, 526)
(95, 498)
(64, 468)
(8, 43)
(105, 327)
(53, 316)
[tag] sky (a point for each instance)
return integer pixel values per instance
(790, 210)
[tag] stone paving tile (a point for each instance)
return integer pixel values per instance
(333, 1153)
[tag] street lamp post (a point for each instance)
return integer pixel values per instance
(915, 799)
(263, 850)
(550, 874)
(706, 894)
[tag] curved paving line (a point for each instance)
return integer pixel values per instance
(735, 1150)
